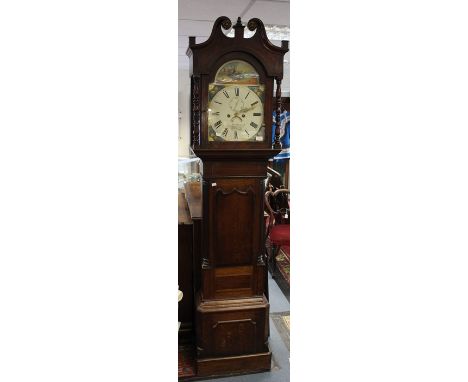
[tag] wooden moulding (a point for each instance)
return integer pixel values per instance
(219, 44)
(241, 155)
(209, 306)
(231, 168)
(186, 334)
(252, 363)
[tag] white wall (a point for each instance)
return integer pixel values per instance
(184, 112)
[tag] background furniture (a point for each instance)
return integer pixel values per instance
(277, 232)
(185, 269)
(188, 272)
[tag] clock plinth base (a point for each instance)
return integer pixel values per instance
(232, 336)
(243, 364)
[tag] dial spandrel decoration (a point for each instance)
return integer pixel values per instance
(236, 104)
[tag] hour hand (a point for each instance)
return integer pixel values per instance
(246, 109)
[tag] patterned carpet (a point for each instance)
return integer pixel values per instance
(283, 262)
(287, 321)
(186, 361)
(283, 325)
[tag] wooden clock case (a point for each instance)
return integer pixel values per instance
(230, 277)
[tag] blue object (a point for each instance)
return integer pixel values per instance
(284, 134)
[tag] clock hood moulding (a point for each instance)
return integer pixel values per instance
(200, 55)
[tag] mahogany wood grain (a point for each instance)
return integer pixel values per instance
(221, 366)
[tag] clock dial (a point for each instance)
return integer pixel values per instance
(235, 113)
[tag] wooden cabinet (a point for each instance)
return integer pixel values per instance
(185, 271)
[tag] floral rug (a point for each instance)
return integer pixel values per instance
(283, 262)
(186, 361)
(286, 321)
(282, 324)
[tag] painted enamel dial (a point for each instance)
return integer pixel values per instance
(235, 113)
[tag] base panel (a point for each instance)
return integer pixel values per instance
(224, 366)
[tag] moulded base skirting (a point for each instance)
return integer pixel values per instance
(186, 333)
(223, 366)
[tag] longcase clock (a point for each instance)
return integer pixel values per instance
(232, 89)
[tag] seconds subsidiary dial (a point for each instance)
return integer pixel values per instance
(235, 113)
